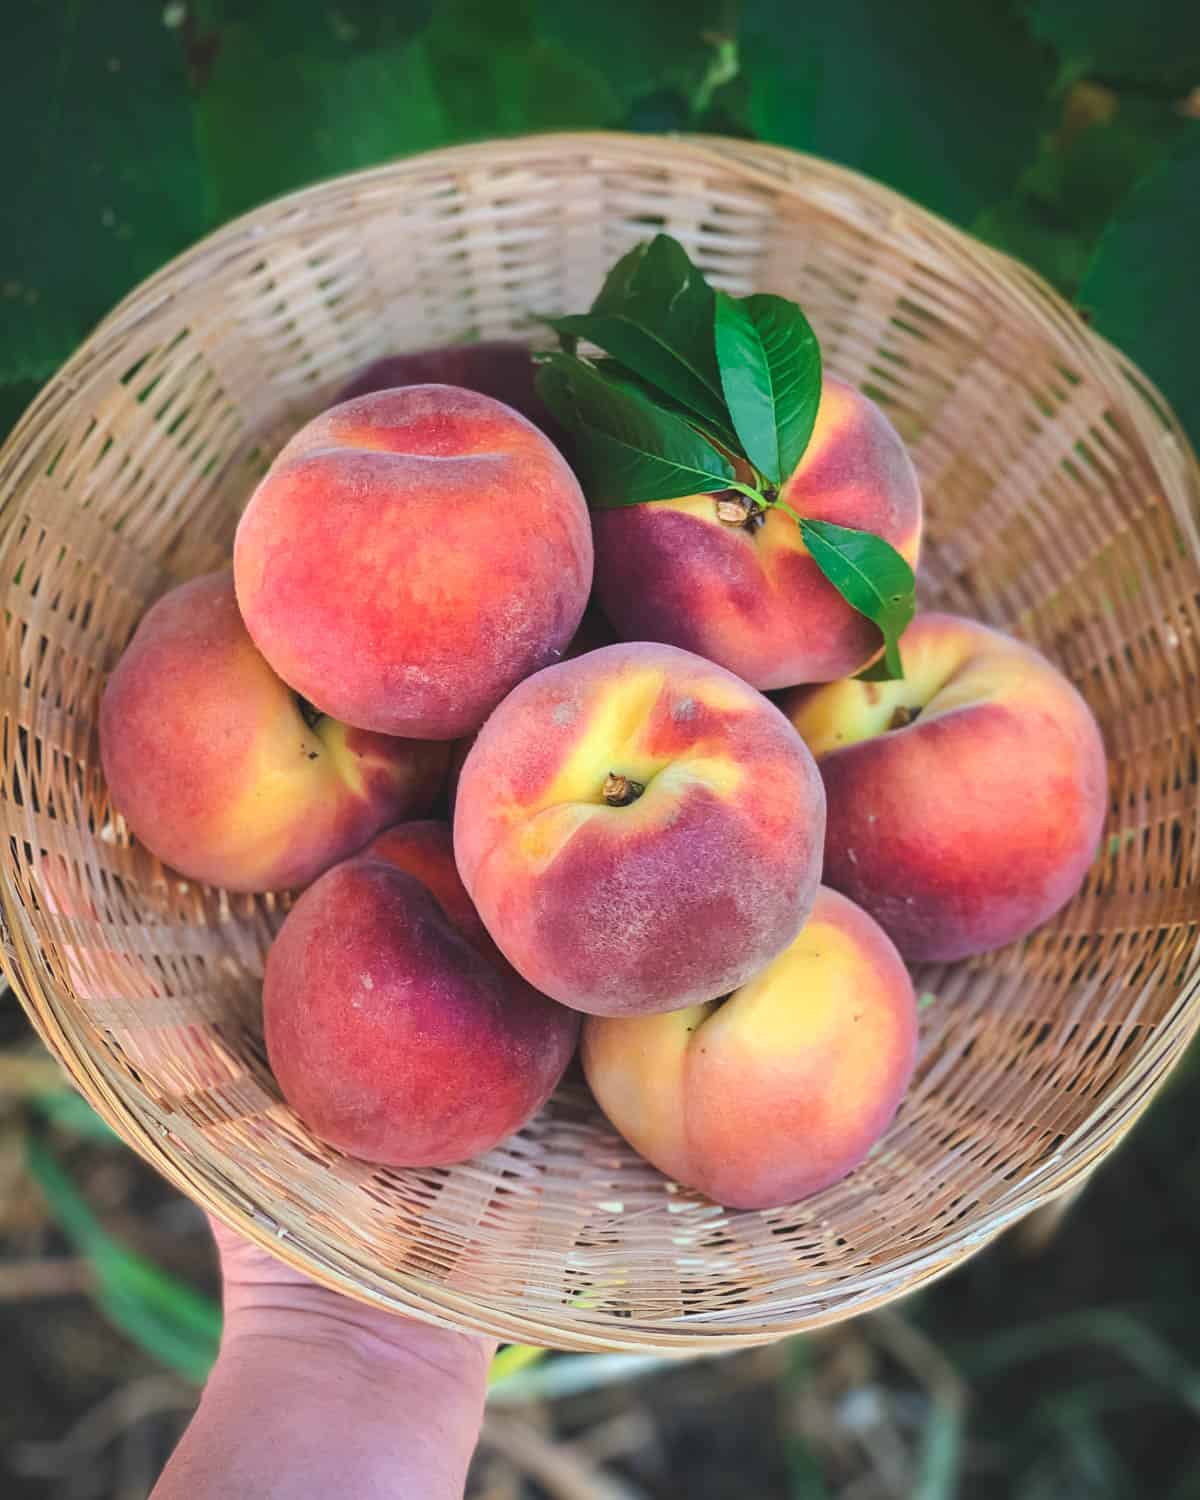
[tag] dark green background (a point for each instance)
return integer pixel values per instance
(1064, 131)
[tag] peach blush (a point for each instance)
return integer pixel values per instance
(410, 556)
(779, 1090)
(219, 771)
(965, 802)
(639, 829)
(395, 1030)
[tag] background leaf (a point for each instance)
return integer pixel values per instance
(71, 1112)
(366, 82)
(771, 374)
(627, 451)
(870, 575)
(643, 47)
(496, 74)
(358, 103)
(1103, 145)
(1141, 287)
(105, 183)
(166, 1317)
(942, 100)
(1121, 39)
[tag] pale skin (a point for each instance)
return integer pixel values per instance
(314, 1394)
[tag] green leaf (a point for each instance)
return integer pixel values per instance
(1141, 285)
(1078, 181)
(806, 1480)
(364, 83)
(627, 450)
(164, 1316)
(878, 671)
(770, 367)
(870, 575)
(496, 75)
(646, 354)
(941, 100)
(71, 1112)
(1120, 39)
(283, 104)
(104, 178)
(719, 433)
(657, 286)
(641, 47)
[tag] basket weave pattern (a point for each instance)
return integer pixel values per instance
(1062, 504)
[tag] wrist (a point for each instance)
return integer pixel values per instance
(352, 1345)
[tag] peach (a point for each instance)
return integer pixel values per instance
(502, 368)
(639, 829)
(219, 771)
(395, 1030)
(779, 1089)
(966, 801)
(746, 593)
(594, 631)
(412, 555)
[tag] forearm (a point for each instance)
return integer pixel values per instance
(308, 1414)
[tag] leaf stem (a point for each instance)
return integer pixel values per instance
(787, 510)
(750, 492)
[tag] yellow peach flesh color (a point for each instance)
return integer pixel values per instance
(617, 740)
(943, 671)
(798, 1053)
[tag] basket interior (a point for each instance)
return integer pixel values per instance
(1060, 504)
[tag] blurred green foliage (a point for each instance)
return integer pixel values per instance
(175, 1324)
(1063, 131)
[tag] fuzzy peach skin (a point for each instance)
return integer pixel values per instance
(394, 1028)
(217, 771)
(753, 600)
(667, 901)
(594, 631)
(970, 825)
(410, 556)
(502, 368)
(778, 1090)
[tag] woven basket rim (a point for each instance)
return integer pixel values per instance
(1089, 1142)
(714, 150)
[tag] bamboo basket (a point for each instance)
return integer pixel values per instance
(1062, 504)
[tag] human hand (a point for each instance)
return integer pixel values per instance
(265, 1298)
(315, 1393)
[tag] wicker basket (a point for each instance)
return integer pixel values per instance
(1062, 503)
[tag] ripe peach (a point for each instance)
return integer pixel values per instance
(966, 801)
(395, 1030)
(749, 596)
(594, 631)
(502, 368)
(215, 767)
(411, 556)
(639, 830)
(779, 1089)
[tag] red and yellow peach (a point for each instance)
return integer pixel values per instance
(965, 801)
(748, 595)
(782, 1087)
(412, 555)
(639, 829)
(215, 767)
(394, 1029)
